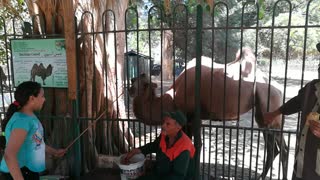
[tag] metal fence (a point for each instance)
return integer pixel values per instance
(226, 149)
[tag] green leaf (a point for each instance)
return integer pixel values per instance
(261, 15)
(192, 9)
(262, 8)
(20, 2)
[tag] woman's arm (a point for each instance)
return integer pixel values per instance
(15, 142)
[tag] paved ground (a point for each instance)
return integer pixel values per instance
(110, 174)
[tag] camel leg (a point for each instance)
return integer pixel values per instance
(284, 153)
(269, 139)
(274, 142)
(271, 152)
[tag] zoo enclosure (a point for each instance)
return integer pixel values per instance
(225, 168)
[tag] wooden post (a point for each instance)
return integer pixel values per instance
(69, 30)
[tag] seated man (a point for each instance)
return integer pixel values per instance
(173, 148)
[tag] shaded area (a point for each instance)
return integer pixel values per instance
(110, 174)
(113, 173)
(242, 174)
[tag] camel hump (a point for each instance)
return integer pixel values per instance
(247, 59)
(35, 66)
(246, 55)
(49, 70)
(49, 67)
(41, 66)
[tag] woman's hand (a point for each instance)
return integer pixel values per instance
(315, 127)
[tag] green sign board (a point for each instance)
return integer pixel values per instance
(40, 60)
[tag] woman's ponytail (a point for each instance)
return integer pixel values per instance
(14, 107)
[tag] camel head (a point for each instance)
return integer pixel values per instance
(141, 86)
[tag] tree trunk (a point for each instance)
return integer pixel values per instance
(167, 54)
(100, 62)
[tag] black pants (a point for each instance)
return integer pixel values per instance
(26, 173)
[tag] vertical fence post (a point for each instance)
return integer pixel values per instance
(196, 120)
(76, 166)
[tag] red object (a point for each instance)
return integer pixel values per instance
(16, 103)
(184, 143)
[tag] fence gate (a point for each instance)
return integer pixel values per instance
(194, 51)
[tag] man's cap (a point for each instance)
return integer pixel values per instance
(178, 116)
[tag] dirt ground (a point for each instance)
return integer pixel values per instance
(292, 87)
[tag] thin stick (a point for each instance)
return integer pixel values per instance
(95, 121)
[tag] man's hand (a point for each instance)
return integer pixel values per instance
(130, 155)
(315, 127)
(269, 117)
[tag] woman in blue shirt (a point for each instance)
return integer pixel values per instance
(24, 155)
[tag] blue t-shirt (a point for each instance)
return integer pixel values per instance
(32, 151)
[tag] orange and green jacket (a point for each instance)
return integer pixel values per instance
(175, 162)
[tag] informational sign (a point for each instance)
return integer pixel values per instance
(40, 60)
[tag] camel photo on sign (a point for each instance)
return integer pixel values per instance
(40, 70)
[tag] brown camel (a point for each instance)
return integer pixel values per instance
(219, 94)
